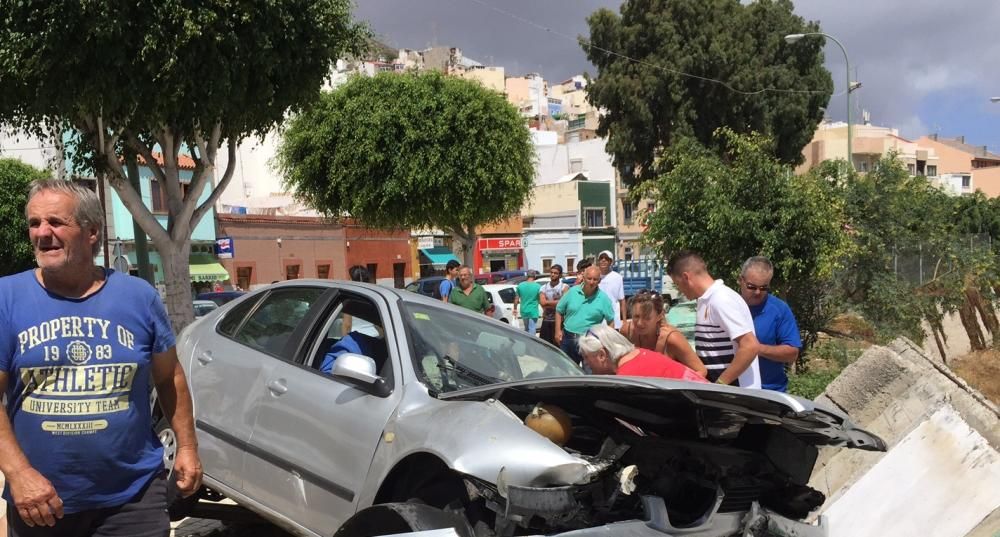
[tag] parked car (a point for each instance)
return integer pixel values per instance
(429, 286)
(456, 421)
(220, 297)
(203, 307)
(502, 295)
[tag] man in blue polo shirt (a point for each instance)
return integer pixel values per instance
(776, 329)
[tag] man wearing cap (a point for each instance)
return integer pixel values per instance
(613, 285)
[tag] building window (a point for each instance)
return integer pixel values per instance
(547, 264)
(323, 271)
(911, 168)
(628, 253)
(627, 208)
(291, 272)
(373, 270)
(966, 182)
(864, 166)
(651, 207)
(158, 195)
(570, 264)
(594, 217)
(931, 171)
(575, 165)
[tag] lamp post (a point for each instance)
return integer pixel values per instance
(792, 38)
(280, 268)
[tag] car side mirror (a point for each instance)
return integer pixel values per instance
(360, 371)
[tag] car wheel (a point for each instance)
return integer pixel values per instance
(394, 518)
(169, 440)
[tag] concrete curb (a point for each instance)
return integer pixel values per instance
(910, 400)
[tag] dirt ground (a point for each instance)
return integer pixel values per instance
(981, 369)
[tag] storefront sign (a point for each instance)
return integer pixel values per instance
(511, 243)
(224, 248)
(426, 243)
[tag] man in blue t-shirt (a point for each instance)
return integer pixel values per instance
(776, 329)
(448, 283)
(79, 345)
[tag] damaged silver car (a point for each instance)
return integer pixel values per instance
(337, 408)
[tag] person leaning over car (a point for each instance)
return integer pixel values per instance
(773, 322)
(608, 352)
(580, 308)
(80, 456)
(469, 294)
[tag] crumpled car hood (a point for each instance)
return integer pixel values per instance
(653, 404)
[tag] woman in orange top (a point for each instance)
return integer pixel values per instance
(647, 328)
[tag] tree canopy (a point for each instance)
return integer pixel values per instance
(743, 203)
(651, 105)
(411, 150)
(169, 76)
(15, 177)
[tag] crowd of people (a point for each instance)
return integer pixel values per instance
(744, 338)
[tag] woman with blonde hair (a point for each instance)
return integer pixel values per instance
(648, 328)
(607, 352)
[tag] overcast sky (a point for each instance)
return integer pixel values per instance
(925, 65)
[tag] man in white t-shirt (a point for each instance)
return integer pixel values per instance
(724, 334)
(613, 285)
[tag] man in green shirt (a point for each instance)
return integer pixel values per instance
(469, 294)
(580, 308)
(527, 298)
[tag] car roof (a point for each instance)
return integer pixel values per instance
(203, 303)
(221, 293)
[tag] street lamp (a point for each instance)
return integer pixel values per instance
(278, 240)
(792, 38)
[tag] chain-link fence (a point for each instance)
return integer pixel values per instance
(921, 263)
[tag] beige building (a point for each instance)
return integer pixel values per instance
(870, 144)
(630, 221)
(490, 77)
(967, 167)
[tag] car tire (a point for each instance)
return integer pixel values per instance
(178, 507)
(403, 517)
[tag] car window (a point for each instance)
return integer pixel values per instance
(271, 324)
(204, 309)
(237, 315)
(507, 295)
(413, 287)
(453, 350)
(359, 319)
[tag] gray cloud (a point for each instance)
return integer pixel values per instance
(905, 51)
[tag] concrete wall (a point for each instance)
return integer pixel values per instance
(558, 246)
(941, 474)
(987, 180)
(950, 160)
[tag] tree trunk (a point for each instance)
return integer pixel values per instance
(177, 279)
(466, 241)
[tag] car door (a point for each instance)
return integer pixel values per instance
(316, 434)
(227, 361)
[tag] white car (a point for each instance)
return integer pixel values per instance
(502, 296)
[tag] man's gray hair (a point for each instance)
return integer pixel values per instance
(758, 262)
(88, 212)
(602, 336)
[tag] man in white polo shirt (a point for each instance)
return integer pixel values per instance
(724, 334)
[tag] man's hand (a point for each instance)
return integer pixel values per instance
(35, 498)
(187, 470)
(558, 336)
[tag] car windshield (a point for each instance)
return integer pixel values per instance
(454, 351)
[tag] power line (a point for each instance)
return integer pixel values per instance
(588, 44)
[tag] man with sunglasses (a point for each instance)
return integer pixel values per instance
(774, 323)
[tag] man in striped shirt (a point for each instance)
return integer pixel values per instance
(724, 333)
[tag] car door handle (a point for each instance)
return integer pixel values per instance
(205, 358)
(277, 387)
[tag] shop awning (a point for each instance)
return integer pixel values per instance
(439, 256)
(205, 269)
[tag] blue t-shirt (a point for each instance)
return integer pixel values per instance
(774, 324)
(356, 343)
(445, 288)
(78, 385)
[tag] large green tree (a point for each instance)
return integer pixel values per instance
(650, 105)
(169, 76)
(15, 177)
(745, 202)
(411, 150)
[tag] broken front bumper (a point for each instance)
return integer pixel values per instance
(758, 522)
